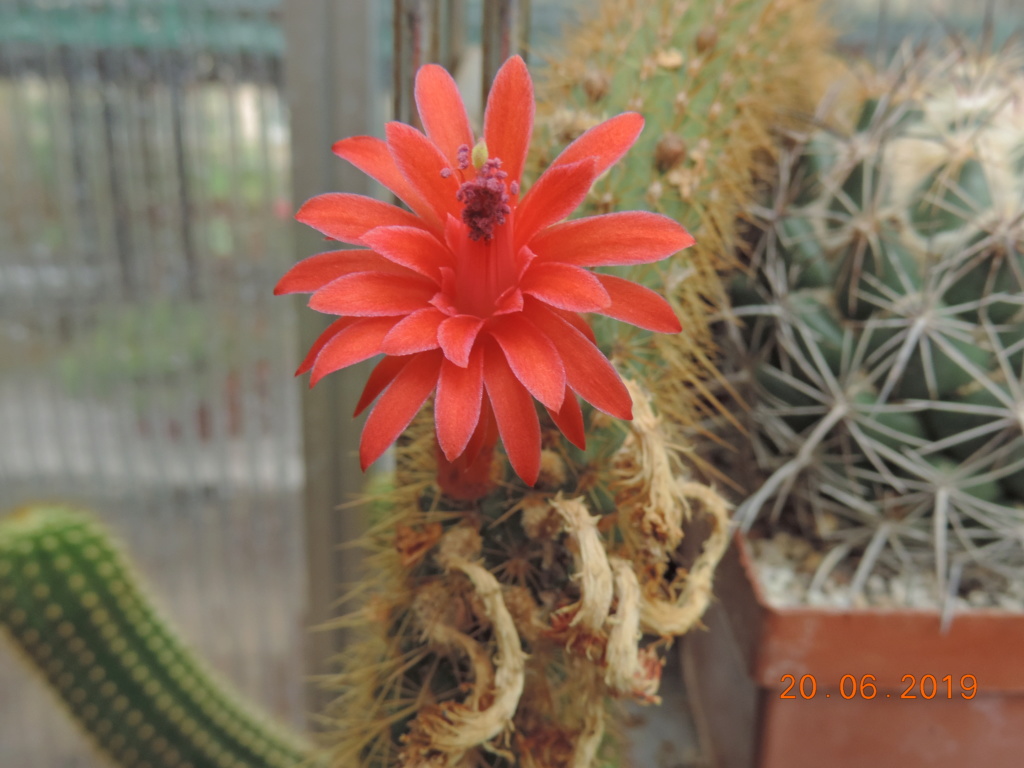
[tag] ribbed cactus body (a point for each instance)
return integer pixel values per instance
(69, 600)
(884, 313)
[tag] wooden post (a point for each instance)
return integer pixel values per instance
(410, 20)
(423, 31)
(506, 27)
(331, 91)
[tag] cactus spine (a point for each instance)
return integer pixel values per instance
(70, 602)
(883, 327)
(584, 573)
(713, 82)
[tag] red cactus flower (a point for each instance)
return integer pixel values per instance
(474, 291)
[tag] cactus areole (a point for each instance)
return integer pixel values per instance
(475, 291)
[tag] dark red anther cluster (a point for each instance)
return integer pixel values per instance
(486, 200)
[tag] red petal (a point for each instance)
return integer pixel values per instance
(638, 305)
(588, 371)
(372, 156)
(332, 330)
(457, 336)
(576, 322)
(515, 414)
(532, 358)
(398, 405)
(368, 294)
(359, 341)
(524, 258)
(411, 247)
(508, 120)
(382, 374)
(457, 406)
(315, 272)
(421, 162)
(630, 237)
(606, 143)
(348, 217)
(442, 111)
(569, 419)
(415, 333)
(511, 300)
(566, 287)
(556, 194)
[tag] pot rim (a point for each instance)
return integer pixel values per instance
(889, 643)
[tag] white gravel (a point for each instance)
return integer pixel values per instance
(786, 566)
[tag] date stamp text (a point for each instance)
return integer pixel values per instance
(866, 687)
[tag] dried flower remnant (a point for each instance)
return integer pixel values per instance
(595, 85)
(671, 58)
(669, 152)
(622, 657)
(475, 293)
(442, 735)
(707, 38)
(654, 505)
(594, 573)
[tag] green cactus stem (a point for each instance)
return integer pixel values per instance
(71, 603)
(713, 82)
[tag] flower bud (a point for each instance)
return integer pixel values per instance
(480, 154)
(706, 39)
(668, 152)
(595, 85)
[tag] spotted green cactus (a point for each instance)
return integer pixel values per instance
(72, 605)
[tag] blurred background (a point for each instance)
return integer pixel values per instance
(149, 167)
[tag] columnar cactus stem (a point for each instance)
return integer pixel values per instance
(70, 602)
(589, 560)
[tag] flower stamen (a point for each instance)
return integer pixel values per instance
(463, 157)
(486, 200)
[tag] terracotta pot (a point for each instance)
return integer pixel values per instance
(808, 687)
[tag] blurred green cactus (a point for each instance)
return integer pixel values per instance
(71, 603)
(882, 325)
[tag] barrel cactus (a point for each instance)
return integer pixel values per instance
(880, 327)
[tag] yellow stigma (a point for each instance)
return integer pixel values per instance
(479, 155)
